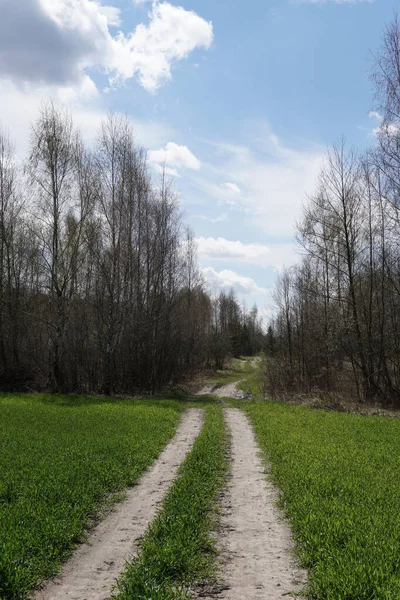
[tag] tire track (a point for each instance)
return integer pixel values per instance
(93, 569)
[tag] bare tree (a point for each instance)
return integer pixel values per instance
(57, 173)
(99, 285)
(10, 232)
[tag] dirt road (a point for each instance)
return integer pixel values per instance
(256, 543)
(92, 570)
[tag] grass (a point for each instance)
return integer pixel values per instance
(340, 477)
(177, 551)
(238, 369)
(62, 460)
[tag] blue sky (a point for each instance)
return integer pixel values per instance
(240, 99)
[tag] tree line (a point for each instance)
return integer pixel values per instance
(337, 327)
(100, 289)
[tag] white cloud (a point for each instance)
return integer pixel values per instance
(388, 129)
(112, 14)
(233, 187)
(276, 254)
(373, 114)
(53, 42)
(172, 34)
(226, 280)
(174, 157)
(273, 177)
(19, 108)
(226, 250)
(168, 171)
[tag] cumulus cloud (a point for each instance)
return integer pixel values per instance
(53, 42)
(226, 280)
(226, 250)
(112, 14)
(174, 157)
(41, 44)
(172, 34)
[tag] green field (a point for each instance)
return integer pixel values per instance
(62, 460)
(178, 552)
(340, 476)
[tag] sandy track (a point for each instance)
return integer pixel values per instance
(256, 541)
(92, 570)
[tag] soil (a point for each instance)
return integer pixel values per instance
(93, 569)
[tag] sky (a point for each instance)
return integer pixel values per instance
(239, 100)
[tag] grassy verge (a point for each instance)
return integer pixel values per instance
(62, 460)
(177, 551)
(340, 477)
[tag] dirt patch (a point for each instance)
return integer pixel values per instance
(94, 567)
(257, 549)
